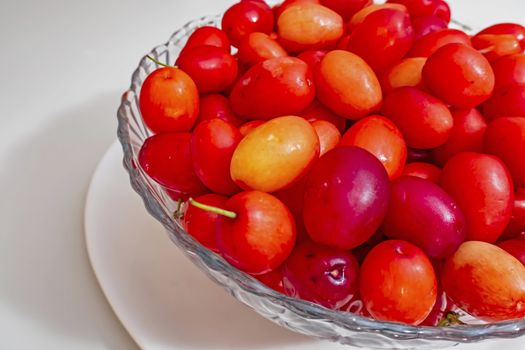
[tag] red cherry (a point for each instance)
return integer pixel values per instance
(514, 29)
(505, 138)
(211, 68)
(273, 279)
(322, 275)
(212, 145)
(166, 158)
(273, 88)
(466, 135)
(201, 224)
(469, 80)
(260, 235)
(217, 106)
(169, 101)
(483, 190)
(428, 44)
(247, 17)
(208, 36)
(398, 283)
(382, 50)
(515, 247)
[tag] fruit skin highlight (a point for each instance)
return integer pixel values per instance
(260, 237)
(346, 198)
(398, 283)
(275, 154)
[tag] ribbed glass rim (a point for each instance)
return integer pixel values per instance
(142, 185)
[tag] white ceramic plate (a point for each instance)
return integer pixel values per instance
(160, 297)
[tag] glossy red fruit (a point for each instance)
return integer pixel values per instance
(494, 46)
(202, 224)
(273, 88)
(316, 111)
(515, 247)
(485, 281)
(466, 135)
(505, 138)
(426, 25)
(514, 29)
(483, 190)
(309, 26)
(262, 235)
(379, 136)
(508, 101)
(423, 170)
(166, 158)
(407, 72)
(273, 279)
(398, 283)
(293, 198)
(209, 36)
(212, 145)
(257, 47)
(312, 57)
(469, 80)
(362, 14)
(424, 120)
(346, 197)
(247, 17)
(347, 85)
(421, 213)
(323, 275)
(509, 70)
(383, 38)
(516, 226)
(346, 8)
(248, 127)
(217, 106)
(211, 68)
(419, 8)
(169, 101)
(428, 44)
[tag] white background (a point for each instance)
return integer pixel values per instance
(63, 67)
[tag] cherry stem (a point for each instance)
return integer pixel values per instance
(211, 209)
(452, 318)
(178, 210)
(159, 62)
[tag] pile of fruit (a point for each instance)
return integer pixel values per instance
(361, 156)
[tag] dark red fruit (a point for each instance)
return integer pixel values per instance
(322, 275)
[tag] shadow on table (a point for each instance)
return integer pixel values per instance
(45, 274)
(44, 270)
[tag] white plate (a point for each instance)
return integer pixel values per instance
(160, 297)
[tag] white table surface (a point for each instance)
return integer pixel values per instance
(63, 67)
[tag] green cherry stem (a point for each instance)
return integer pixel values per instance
(159, 62)
(223, 212)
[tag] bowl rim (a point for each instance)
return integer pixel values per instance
(249, 284)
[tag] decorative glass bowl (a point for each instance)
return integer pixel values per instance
(297, 315)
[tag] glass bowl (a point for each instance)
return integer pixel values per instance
(297, 315)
